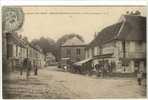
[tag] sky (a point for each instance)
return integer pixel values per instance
(54, 22)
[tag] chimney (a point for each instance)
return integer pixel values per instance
(127, 12)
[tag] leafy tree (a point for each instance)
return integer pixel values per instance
(47, 45)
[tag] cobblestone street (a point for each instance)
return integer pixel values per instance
(54, 83)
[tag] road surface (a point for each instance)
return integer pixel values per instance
(54, 83)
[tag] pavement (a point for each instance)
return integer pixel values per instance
(52, 83)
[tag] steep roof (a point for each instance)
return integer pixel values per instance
(133, 28)
(75, 41)
(16, 39)
(106, 34)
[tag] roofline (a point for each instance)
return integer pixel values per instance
(33, 47)
(121, 27)
(129, 40)
(20, 41)
(74, 46)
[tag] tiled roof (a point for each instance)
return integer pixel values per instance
(73, 42)
(133, 28)
(106, 34)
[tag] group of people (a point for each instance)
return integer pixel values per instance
(27, 66)
(103, 68)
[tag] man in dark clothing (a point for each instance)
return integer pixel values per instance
(113, 65)
(35, 69)
(97, 66)
(23, 66)
(28, 68)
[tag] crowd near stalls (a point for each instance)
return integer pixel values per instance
(118, 48)
(17, 49)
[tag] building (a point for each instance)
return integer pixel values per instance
(36, 56)
(123, 43)
(50, 59)
(4, 52)
(18, 48)
(74, 49)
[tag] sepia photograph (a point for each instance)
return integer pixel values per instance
(74, 52)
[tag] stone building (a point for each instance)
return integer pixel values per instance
(4, 52)
(74, 49)
(18, 48)
(36, 55)
(123, 43)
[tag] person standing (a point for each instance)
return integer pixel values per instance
(139, 77)
(35, 65)
(102, 69)
(23, 66)
(35, 68)
(28, 68)
(98, 69)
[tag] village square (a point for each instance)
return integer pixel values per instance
(111, 65)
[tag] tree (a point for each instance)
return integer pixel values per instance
(46, 44)
(49, 45)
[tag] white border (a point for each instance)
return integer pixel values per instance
(0, 55)
(63, 3)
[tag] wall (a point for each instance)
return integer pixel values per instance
(108, 48)
(135, 49)
(73, 55)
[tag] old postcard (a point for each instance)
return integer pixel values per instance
(74, 52)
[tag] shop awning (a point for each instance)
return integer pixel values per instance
(103, 56)
(83, 61)
(65, 58)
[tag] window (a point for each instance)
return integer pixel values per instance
(132, 46)
(78, 52)
(68, 52)
(20, 53)
(92, 51)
